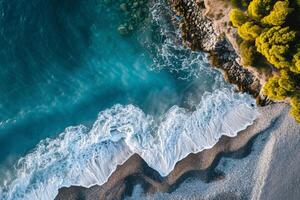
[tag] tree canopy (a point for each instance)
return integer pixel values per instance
(278, 14)
(249, 31)
(257, 9)
(295, 110)
(270, 29)
(238, 17)
(248, 53)
(274, 44)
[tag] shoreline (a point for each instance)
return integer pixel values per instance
(205, 26)
(135, 171)
(270, 170)
(134, 178)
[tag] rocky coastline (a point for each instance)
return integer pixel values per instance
(205, 26)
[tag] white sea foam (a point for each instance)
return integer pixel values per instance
(85, 157)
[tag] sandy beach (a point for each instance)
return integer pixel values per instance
(260, 163)
(270, 169)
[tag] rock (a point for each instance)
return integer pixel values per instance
(123, 30)
(130, 27)
(197, 30)
(135, 4)
(200, 33)
(123, 7)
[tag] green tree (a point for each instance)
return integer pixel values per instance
(238, 17)
(296, 63)
(287, 82)
(273, 90)
(257, 9)
(249, 31)
(274, 44)
(278, 14)
(248, 53)
(262, 31)
(280, 86)
(295, 109)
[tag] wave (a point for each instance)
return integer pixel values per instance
(88, 156)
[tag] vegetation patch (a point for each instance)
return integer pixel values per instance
(270, 31)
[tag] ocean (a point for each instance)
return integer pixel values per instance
(77, 98)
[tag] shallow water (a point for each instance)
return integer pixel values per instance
(62, 62)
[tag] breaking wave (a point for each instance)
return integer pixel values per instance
(88, 156)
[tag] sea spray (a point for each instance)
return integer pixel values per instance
(86, 157)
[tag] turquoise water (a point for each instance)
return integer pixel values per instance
(77, 98)
(62, 62)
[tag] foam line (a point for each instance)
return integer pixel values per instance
(86, 157)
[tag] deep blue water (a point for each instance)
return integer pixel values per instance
(77, 98)
(62, 61)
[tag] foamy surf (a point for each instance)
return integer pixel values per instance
(86, 157)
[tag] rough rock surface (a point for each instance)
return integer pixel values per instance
(224, 57)
(197, 30)
(203, 27)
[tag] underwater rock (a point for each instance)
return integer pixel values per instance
(123, 30)
(123, 7)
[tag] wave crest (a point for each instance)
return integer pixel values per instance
(88, 156)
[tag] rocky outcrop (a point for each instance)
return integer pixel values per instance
(133, 13)
(197, 30)
(224, 57)
(205, 26)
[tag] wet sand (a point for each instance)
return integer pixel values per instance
(260, 163)
(270, 170)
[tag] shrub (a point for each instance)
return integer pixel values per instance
(274, 44)
(273, 90)
(260, 29)
(249, 31)
(248, 53)
(238, 17)
(295, 109)
(280, 87)
(257, 9)
(278, 14)
(296, 63)
(287, 82)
